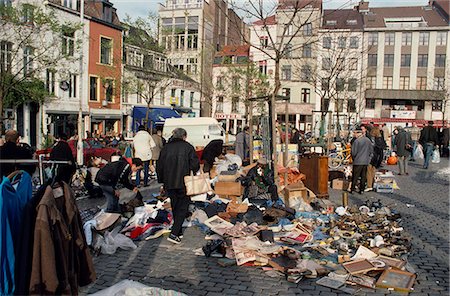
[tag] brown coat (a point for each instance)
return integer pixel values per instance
(61, 259)
(157, 149)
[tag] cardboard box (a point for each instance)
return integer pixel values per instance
(228, 178)
(296, 190)
(341, 184)
(228, 189)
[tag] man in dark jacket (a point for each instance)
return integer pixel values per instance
(403, 144)
(11, 150)
(362, 151)
(62, 151)
(114, 176)
(212, 150)
(428, 139)
(177, 160)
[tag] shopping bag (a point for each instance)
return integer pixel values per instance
(197, 184)
(418, 153)
(436, 158)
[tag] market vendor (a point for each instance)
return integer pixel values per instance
(263, 183)
(212, 150)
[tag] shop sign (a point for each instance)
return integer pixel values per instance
(407, 114)
(227, 116)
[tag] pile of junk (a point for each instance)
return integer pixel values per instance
(344, 247)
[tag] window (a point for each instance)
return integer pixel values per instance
(373, 38)
(264, 40)
(306, 73)
(406, 38)
(139, 88)
(326, 42)
(235, 104)
(326, 64)
(354, 42)
(263, 68)
(389, 38)
(125, 91)
(73, 86)
(306, 95)
(341, 42)
(372, 60)
(286, 92)
(436, 105)
(182, 97)
(105, 50)
(340, 64)
(307, 29)
(288, 30)
(340, 84)
(439, 83)
(404, 82)
(173, 93)
(387, 82)
(5, 56)
(424, 38)
(6, 3)
(388, 60)
(351, 107)
(440, 60)
(27, 60)
(370, 103)
(422, 60)
(192, 41)
(68, 42)
(136, 59)
(219, 105)
(219, 82)
(109, 90)
(67, 3)
(50, 81)
(352, 84)
(441, 38)
(339, 106)
(421, 83)
(286, 72)
(27, 13)
(405, 60)
(353, 64)
(107, 13)
(235, 83)
(93, 88)
(325, 84)
(162, 94)
(307, 50)
(191, 99)
(288, 51)
(371, 82)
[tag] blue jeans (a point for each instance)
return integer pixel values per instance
(414, 145)
(111, 199)
(138, 174)
(428, 153)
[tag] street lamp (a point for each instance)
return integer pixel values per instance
(80, 111)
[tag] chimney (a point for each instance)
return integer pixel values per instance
(363, 6)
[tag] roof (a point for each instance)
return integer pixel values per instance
(343, 19)
(443, 6)
(299, 4)
(270, 20)
(140, 38)
(234, 50)
(375, 18)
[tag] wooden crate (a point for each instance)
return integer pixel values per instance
(227, 189)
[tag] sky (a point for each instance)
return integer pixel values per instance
(141, 8)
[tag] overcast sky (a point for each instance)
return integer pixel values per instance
(141, 8)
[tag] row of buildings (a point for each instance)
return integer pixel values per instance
(382, 65)
(361, 64)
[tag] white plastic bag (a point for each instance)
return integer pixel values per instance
(418, 152)
(436, 158)
(111, 241)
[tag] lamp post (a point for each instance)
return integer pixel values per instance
(80, 111)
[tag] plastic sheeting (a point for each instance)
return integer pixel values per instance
(129, 287)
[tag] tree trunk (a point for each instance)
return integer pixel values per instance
(273, 115)
(1, 112)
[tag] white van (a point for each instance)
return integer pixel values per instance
(200, 130)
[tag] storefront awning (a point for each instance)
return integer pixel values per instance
(156, 116)
(419, 122)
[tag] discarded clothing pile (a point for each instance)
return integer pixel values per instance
(348, 248)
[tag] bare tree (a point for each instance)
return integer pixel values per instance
(32, 41)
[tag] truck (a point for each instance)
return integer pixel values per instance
(200, 130)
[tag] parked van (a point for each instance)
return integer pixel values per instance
(200, 130)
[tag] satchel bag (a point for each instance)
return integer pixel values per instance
(197, 184)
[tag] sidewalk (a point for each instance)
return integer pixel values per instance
(423, 201)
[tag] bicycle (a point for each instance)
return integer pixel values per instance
(338, 159)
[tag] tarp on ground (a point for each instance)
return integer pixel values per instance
(156, 116)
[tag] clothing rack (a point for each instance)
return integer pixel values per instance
(39, 161)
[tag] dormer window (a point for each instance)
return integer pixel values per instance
(331, 23)
(351, 22)
(67, 3)
(107, 12)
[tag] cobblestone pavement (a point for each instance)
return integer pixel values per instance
(423, 201)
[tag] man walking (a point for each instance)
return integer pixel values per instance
(415, 135)
(12, 150)
(62, 151)
(403, 142)
(243, 144)
(177, 160)
(362, 150)
(143, 145)
(428, 139)
(114, 176)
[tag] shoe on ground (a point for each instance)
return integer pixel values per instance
(158, 234)
(181, 236)
(174, 239)
(368, 189)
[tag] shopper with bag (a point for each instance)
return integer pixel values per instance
(428, 139)
(403, 144)
(177, 160)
